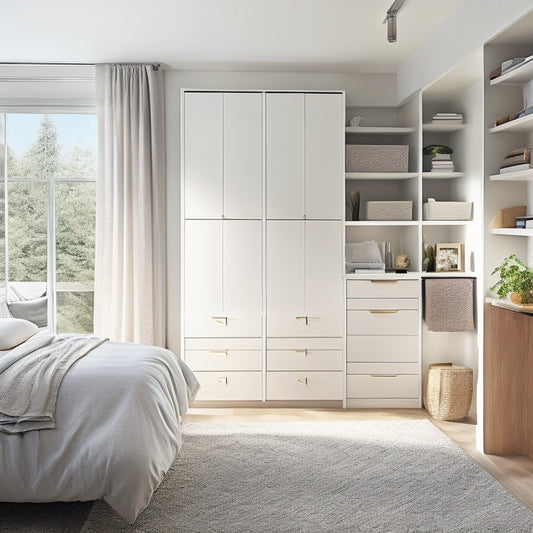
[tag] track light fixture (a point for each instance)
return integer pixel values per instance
(391, 20)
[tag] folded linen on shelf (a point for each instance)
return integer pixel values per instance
(449, 304)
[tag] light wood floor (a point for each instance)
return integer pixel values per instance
(514, 472)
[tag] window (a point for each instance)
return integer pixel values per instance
(47, 219)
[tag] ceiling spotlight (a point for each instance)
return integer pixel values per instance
(391, 20)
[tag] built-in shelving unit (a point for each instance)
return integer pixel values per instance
(513, 232)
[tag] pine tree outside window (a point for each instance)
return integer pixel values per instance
(47, 217)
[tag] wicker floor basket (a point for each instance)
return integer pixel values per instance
(448, 391)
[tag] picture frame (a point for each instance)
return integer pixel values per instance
(449, 257)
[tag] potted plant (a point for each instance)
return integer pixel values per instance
(516, 279)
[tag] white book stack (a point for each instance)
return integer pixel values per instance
(447, 118)
(442, 163)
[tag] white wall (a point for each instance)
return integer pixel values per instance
(361, 90)
(464, 31)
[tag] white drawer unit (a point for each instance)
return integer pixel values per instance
(383, 343)
(304, 385)
(383, 386)
(230, 386)
(389, 288)
(386, 348)
(383, 322)
(304, 359)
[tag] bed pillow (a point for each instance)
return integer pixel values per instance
(14, 331)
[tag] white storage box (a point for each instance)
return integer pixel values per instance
(434, 210)
(377, 157)
(389, 210)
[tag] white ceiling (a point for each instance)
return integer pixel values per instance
(259, 35)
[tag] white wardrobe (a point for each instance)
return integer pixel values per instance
(262, 252)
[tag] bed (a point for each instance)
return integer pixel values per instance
(117, 431)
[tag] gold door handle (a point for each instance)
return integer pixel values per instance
(219, 352)
(221, 319)
(302, 351)
(383, 281)
(224, 380)
(383, 376)
(302, 380)
(304, 319)
(383, 311)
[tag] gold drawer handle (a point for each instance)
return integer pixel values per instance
(304, 319)
(302, 380)
(383, 375)
(219, 352)
(302, 351)
(383, 311)
(224, 381)
(221, 319)
(383, 281)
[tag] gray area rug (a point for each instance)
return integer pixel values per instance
(354, 476)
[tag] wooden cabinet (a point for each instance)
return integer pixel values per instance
(223, 135)
(508, 382)
(304, 156)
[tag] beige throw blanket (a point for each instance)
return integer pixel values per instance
(30, 377)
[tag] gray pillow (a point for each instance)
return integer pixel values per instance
(33, 310)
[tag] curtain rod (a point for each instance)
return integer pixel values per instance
(155, 66)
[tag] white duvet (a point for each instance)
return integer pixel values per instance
(117, 431)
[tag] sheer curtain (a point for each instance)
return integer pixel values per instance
(130, 272)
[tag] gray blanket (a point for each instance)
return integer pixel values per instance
(30, 377)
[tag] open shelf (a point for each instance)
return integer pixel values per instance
(515, 232)
(447, 222)
(380, 129)
(380, 175)
(442, 175)
(381, 222)
(443, 128)
(521, 175)
(448, 275)
(521, 74)
(517, 125)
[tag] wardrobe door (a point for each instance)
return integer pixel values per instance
(285, 156)
(203, 155)
(285, 279)
(243, 138)
(242, 277)
(324, 278)
(324, 156)
(203, 288)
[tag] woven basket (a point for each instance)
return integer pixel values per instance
(448, 391)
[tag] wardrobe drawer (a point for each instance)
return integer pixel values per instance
(382, 322)
(297, 343)
(382, 386)
(382, 368)
(293, 325)
(390, 288)
(382, 303)
(374, 348)
(304, 359)
(304, 386)
(224, 359)
(210, 343)
(230, 386)
(223, 325)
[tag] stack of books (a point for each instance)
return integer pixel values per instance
(442, 163)
(447, 118)
(365, 268)
(519, 159)
(524, 222)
